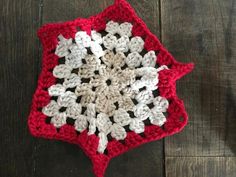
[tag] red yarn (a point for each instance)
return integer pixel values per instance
(121, 11)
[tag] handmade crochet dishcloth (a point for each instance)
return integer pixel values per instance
(107, 84)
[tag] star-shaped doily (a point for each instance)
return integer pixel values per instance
(108, 87)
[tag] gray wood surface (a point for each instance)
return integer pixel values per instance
(19, 54)
(200, 166)
(204, 32)
(199, 31)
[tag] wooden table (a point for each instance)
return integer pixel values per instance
(199, 31)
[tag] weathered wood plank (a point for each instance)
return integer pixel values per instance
(146, 160)
(62, 159)
(19, 55)
(55, 11)
(200, 166)
(204, 32)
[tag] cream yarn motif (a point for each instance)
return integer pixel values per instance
(107, 84)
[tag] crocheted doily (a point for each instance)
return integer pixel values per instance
(107, 84)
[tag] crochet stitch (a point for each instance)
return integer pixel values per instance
(108, 86)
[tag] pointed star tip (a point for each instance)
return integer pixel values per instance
(184, 69)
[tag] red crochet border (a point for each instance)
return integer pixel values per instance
(119, 11)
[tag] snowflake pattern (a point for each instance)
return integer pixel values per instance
(108, 84)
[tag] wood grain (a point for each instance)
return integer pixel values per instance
(200, 166)
(146, 160)
(70, 9)
(19, 53)
(204, 32)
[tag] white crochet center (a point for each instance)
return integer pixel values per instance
(111, 72)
